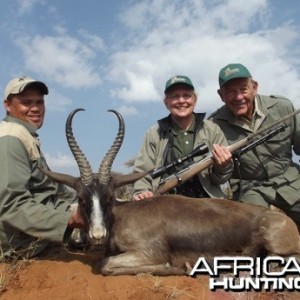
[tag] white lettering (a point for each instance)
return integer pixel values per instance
(267, 263)
(292, 262)
(197, 267)
(221, 263)
(269, 273)
(255, 284)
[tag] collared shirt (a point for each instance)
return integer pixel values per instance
(256, 120)
(183, 139)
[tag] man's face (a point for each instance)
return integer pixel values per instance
(180, 100)
(28, 106)
(238, 95)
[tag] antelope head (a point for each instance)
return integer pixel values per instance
(95, 191)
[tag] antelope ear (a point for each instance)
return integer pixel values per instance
(68, 180)
(121, 180)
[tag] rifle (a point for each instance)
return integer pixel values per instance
(237, 149)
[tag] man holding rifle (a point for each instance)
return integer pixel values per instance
(266, 175)
(176, 136)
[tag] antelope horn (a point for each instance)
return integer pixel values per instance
(86, 173)
(104, 173)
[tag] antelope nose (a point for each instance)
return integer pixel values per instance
(98, 233)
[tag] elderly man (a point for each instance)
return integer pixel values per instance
(34, 210)
(267, 174)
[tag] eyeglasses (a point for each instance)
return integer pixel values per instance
(176, 97)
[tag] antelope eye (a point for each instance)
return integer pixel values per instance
(81, 203)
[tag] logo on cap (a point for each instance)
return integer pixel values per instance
(229, 71)
(177, 79)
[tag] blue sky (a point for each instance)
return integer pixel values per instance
(118, 54)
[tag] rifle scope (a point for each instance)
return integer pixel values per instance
(199, 150)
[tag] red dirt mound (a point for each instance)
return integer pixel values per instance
(72, 276)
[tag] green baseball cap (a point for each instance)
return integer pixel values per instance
(178, 79)
(233, 71)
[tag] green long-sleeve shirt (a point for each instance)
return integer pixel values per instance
(268, 169)
(33, 209)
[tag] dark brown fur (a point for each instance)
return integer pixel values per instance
(161, 235)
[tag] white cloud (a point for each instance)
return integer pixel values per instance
(140, 87)
(64, 59)
(197, 38)
(94, 41)
(60, 160)
(237, 16)
(57, 102)
(25, 6)
(126, 110)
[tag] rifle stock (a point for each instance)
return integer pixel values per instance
(176, 179)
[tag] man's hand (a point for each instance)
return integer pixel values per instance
(142, 195)
(222, 156)
(76, 220)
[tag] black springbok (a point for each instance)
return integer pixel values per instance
(164, 234)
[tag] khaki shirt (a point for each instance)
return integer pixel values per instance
(33, 209)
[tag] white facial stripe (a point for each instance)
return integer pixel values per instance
(97, 215)
(97, 228)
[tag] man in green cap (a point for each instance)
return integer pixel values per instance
(177, 135)
(266, 175)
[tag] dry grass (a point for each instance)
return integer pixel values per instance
(156, 285)
(9, 270)
(12, 265)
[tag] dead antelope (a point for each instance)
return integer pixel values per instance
(163, 234)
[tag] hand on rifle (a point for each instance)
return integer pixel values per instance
(222, 156)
